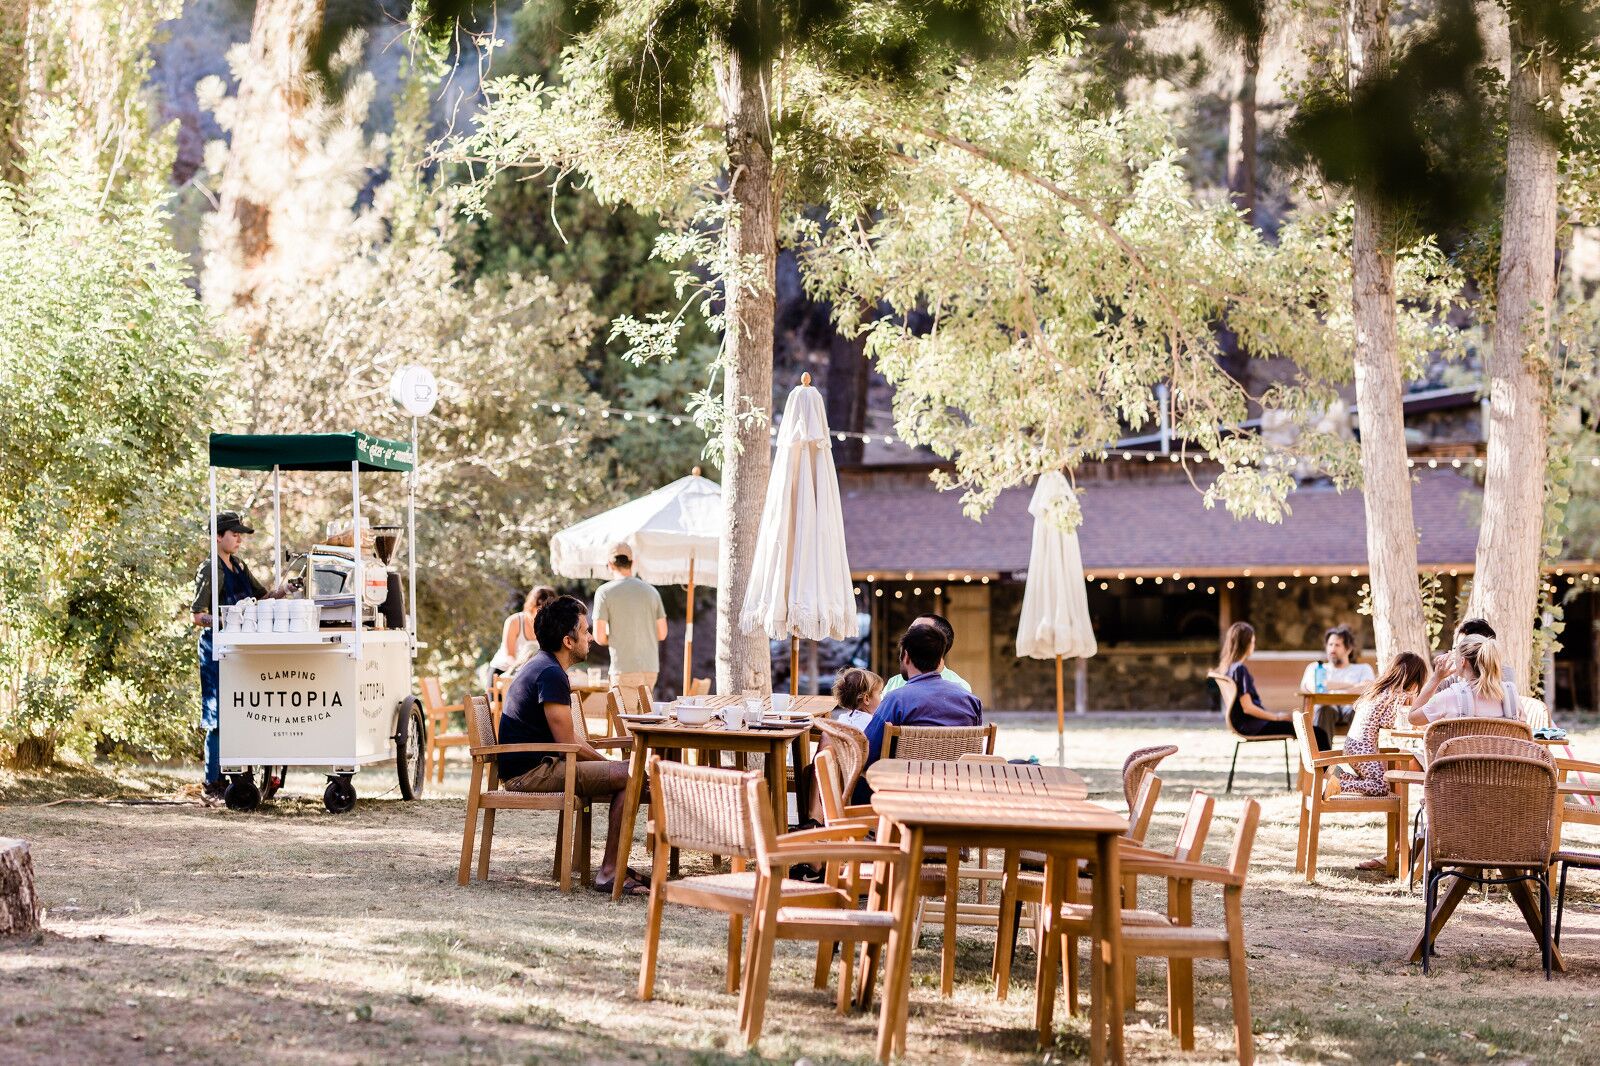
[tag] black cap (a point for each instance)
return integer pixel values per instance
(230, 522)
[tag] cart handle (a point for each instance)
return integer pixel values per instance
(505, 749)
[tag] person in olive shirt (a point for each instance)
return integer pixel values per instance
(629, 620)
(238, 583)
(538, 710)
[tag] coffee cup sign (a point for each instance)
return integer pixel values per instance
(414, 389)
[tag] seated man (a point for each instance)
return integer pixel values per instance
(1450, 668)
(1340, 673)
(538, 710)
(925, 699)
(948, 631)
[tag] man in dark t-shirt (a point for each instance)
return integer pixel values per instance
(538, 710)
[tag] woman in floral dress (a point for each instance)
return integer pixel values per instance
(1390, 695)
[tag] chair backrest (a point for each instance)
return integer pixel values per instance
(937, 742)
(1244, 840)
(1305, 736)
(850, 748)
(830, 789)
(1142, 809)
(1196, 826)
(1138, 764)
(700, 686)
(580, 724)
(497, 693)
(480, 721)
(629, 699)
(704, 808)
(1227, 690)
(432, 695)
(1447, 729)
(1490, 801)
(1535, 713)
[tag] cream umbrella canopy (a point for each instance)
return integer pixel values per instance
(800, 578)
(1055, 604)
(674, 533)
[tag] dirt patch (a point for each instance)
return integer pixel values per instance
(181, 934)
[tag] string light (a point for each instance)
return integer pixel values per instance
(653, 417)
(1211, 590)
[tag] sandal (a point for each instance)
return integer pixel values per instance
(632, 885)
(1372, 864)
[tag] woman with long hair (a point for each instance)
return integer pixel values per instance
(1247, 716)
(516, 636)
(1376, 711)
(1482, 691)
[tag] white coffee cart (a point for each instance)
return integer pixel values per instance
(337, 696)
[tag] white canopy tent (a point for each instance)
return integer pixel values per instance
(674, 533)
(1055, 603)
(800, 582)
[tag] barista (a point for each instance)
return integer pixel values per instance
(238, 583)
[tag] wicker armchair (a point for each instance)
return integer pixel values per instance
(1490, 802)
(1138, 764)
(1227, 693)
(485, 795)
(1319, 795)
(1448, 729)
(937, 742)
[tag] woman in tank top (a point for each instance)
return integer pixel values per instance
(516, 636)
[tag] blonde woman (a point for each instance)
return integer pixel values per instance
(1483, 690)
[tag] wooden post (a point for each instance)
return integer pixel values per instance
(19, 904)
(794, 665)
(1061, 718)
(1080, 686)
(688, 631)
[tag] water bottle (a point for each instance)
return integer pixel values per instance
(1319, 678)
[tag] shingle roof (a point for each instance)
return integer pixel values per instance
(1147, 526)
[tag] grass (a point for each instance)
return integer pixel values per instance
(180, 934)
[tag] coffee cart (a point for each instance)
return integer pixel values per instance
(333, 689)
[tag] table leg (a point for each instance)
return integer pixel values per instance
(1108, 939)
(1048, 957)
(802, 784)
(897, 971)
(1006, 928)
(777, 784)
(1441, 914)
(630, 811)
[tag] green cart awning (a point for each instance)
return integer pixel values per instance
(308, 451)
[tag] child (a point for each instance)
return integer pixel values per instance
(856, 694)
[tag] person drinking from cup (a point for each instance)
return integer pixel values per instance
(238, 584)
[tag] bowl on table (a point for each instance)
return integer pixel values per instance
(693, 714)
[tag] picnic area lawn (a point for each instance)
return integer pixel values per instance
(175, 933)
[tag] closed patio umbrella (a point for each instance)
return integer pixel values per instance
(800, 578)
(674, 532)
(1055, 604)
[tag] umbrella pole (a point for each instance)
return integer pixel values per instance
(688, 633)
(794, 665)
(1061, 718)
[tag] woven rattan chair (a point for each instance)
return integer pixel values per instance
(1491, 820)
(937, 742)
(485, 795)
(1227, 692)
(1448, 729)
(440, 736)
(707, 809)
(1180, 942)
(1137, 765)
(1320, 795)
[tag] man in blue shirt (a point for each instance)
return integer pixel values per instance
(925, 699)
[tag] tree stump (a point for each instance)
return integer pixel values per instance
(19, 904)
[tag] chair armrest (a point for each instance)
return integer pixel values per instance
(868, 824)
(1336, 757)
(1181, 871)
(824, 852)
(506, 749)
(836, 831)
(860, 810)
(1581, 766)
(448, 707)
(611, 742)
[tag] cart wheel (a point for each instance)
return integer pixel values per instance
(340, 795)
(272, 778)
(410, 747)
(241, 793)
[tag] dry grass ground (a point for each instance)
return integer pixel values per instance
(181, 934)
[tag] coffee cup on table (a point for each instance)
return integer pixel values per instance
(780, 704)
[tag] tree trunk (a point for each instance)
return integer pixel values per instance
(1242, 133)
(1398, 623)
(265, 146)
(743, 661)
(848, 381)
(19, 903)
(1506, 589)
(14, 73)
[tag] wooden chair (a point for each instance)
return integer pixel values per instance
(485, 795)
(1320, 795)
(499, 685)
(440, 736)
(1227, 695)
(1021, 885)
(1534, 712)
(1140, 762)
(704, 808)
(700, 686)
(1179, 942)
(1491, 820)
(937, 742)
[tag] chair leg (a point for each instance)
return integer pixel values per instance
(758, 971)
(566, 845)
(1430, 892)
(652, 933)
(1233, 764)
(585, 856)
(1545, 941)
(1300, 840)
(847, 961)
(1561, 903)
(464, 873)
(483, 846)
(1287, 782)
(561, 835)
(1239, 976)
(1313, 828)
(735, 951)
(824, 962)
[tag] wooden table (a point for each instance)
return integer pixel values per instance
(1008, 779)
(1066, 831)
(1310, 701)
(658, 736)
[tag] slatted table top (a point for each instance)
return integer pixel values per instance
(812, 705)
(997, 812)
(1000, 779)
(715, 728)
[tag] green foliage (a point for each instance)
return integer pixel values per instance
(104, 387)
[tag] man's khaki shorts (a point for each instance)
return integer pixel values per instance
(602, 778)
